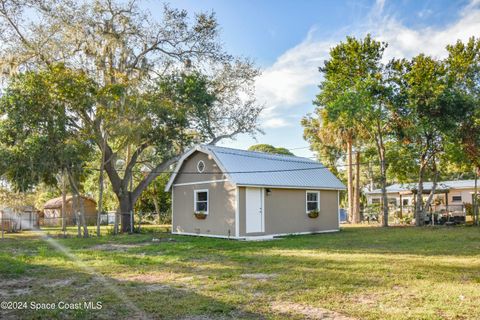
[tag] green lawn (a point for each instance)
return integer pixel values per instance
(360, 273)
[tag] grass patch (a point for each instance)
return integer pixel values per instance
(360, 272)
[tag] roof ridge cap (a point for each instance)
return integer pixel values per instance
(287, 158)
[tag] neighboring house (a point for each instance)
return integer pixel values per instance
(18, 218)
(52, 211)
(449, 195)
(248, 195)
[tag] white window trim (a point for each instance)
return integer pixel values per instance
(198, 166)
(461, 198)
(195, 192)
(306, 199)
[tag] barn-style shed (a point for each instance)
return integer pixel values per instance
(230, 193)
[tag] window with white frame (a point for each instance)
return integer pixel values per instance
(313, 201)
(201, 201)
(456, 198)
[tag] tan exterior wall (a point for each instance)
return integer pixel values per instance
(211, 172)
(285, 212)
(285, 209)
(221, 210)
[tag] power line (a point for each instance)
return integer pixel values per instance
(321, 167)
(299, 148)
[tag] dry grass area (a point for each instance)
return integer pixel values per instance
(358, 273)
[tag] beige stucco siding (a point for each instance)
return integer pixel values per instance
(188, 172)
(285, 212)
(466, 194)
(221, 210)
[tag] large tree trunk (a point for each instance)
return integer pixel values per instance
(383, 174)
(419, 218)
(155, 203)
(430, 196)
(77, 195)
(120, 186)
(126, 210)
(75, 213)
(356, 198)
(100, 188)
(116, 222)
(82, 216)
(383, 182)
(64, 201)
(350, 179)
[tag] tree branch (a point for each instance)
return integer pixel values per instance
(158, 170)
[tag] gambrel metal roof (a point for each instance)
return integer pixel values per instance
(251, 168)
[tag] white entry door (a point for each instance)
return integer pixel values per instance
(254, 210)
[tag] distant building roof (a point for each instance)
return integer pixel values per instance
(56, 203)
(441, 185)
(252, 168)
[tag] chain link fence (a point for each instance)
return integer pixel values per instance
(11, 223)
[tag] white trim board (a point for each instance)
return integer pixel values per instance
(338, 207)
(253, 238)
(271, 236)
(203, 235)
(199, 182)
(237, 212)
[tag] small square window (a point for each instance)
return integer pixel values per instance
(405, 202)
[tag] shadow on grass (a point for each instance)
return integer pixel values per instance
(227, 276)
(32, 281)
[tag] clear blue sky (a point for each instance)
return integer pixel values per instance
(290, 39)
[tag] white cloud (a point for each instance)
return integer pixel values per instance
(406, 42)
(290, 81)
(379, 5)
(275, 123)
(283, 84)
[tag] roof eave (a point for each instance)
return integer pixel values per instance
(291, 187)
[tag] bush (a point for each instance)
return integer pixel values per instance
(468, 209)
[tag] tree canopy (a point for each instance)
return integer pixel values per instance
(147, 89)
(268, 148)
